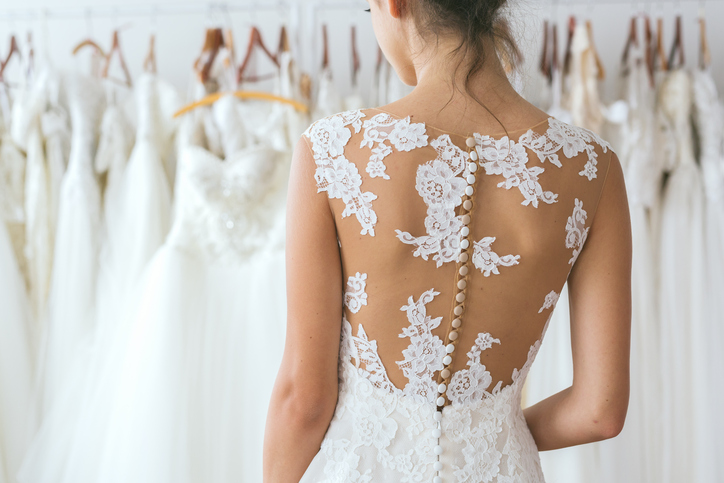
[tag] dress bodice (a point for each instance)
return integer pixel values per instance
(227, 208)
(473, 239)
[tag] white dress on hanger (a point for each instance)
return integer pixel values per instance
(182, 411)
(16, 363)
(709, 361)
(682, 279)
(73, 283)
(327, 100)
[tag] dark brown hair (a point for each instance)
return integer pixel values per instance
(470, 21)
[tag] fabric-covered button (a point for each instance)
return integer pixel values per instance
(458, 310)
(470, 142)
(463, 270)
(462, 284)
(465, 231)
(466, 218)
(437, 466)
(437, 450)
(471, 179)
(467, 204)
(441, 388)
(437, 479)
(441, 401)
(474, 155)
(446, 360)
(464, 244)
(469, 190)
(438, 416)
(445, 373)
(472, 167)
(463, 257)
(456, 323)
(460, 297)
(450, 348)
(453, 335)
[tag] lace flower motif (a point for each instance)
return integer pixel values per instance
(355, 296)
(441, 187)
(550, 301)
(575, 233)
(510, 159)
(335, 174)
(424, 354)
(402, 134)
(487, 261)
(470, 385)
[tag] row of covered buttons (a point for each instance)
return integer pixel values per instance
(461, 285)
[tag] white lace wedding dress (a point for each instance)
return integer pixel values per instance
(441, 326)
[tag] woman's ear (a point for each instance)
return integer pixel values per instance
(395, 7)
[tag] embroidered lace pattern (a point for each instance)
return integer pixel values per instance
(550, 301)
(335, 174)
(576, 233)
(424, 355)
(440, 186)
(355, 296)
(383, 128)
(487, 261)
(571, 139)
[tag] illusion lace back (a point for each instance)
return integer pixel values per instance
(473, 239)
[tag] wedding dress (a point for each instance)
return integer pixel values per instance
(682, 277)
(72, 293)
(708, 361)
(16, 363)
(410, 407)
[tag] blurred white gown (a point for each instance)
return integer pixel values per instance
(682, 283)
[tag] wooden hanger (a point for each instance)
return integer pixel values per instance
(544, 65)
(213, 42)
(116, 49)
(596, 57)
(325, 47)
(255, 40)
(632, 39)
(704, 54)
(14, 50)
(283, 42)
(650, 48)
(355, 56)
(677, 47)
(149, 63)
(211, 98)
(88, 43)
(567, 56)
(660, 55)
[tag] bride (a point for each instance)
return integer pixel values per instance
(428, 242)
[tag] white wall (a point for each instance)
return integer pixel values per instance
(180, 36)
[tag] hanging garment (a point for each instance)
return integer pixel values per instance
(327, 100)
(682, 279)
(182, 410)
(27, 134)
(400, 305)
(708, 358)
(72, 294)
(17, 370)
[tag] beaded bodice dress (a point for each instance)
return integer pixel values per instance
(454, 250)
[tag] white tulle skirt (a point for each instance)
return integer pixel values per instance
(16, 363)
(180, 394)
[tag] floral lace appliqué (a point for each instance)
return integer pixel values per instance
(487, 261)
(510, 159)
(401, 133)
(576, 233)
(335, 174)
(571, 139)
(424, 355)
(355, 296)
(442, 188)
(550, 301)
(471, 385)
